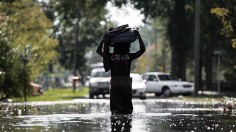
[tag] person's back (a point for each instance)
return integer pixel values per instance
(121, 83)
(120, 60)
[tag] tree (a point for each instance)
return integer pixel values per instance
(77, 27)
(156, 57)
(211, 41)
(179, 17)
(225, 11)
(27, 47)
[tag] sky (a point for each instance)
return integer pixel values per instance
(125, 15)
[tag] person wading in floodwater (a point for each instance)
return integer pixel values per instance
(119, 62)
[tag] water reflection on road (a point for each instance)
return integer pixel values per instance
(86, 115)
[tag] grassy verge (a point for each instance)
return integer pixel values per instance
(58, 94)
(67, 94)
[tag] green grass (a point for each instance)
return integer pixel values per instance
(58, 94)
(67, 94)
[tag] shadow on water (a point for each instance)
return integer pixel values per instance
(87, 115)
(121, 123)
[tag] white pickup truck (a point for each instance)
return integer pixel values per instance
(99, 82)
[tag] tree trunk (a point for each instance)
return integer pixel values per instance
(209, 71)
(178, 63)
(178, 40)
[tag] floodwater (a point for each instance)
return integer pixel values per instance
(93, 115)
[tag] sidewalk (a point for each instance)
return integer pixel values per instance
(216, 93)
(209, 93)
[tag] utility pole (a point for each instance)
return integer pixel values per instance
(149, 39)
(218, 53)
(164, 56)
(25, 77)
(148, 54)
(197, 46)
(26, 57)
(156, 50)
(75, 54)
(218, 69)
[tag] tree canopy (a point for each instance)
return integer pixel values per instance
(35, 34)
(225, 11)
(25, 43)
(179, 16)
(77, 26)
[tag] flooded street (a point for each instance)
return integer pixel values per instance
(93, 115)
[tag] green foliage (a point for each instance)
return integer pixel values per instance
(234, 43)
(29, 27)
(225, 11)
(222, 13)
(155, 58)
(25, 43)
(77, 23)
(226, 14)
(179, 18)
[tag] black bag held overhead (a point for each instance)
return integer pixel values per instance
(121, 35)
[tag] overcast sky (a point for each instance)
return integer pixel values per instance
(125, 15)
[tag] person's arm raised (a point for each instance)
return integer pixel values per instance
(142, 48)
(99, 48)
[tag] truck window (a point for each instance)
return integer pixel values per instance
(100, 74)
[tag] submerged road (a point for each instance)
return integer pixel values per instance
(93, 115)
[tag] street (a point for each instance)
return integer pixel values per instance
(93, 115)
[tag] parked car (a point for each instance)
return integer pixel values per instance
(99, 82)
(162, 83)
(138, 86)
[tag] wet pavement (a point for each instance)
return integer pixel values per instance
(93, 115)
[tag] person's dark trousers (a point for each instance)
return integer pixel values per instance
(121, 95)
